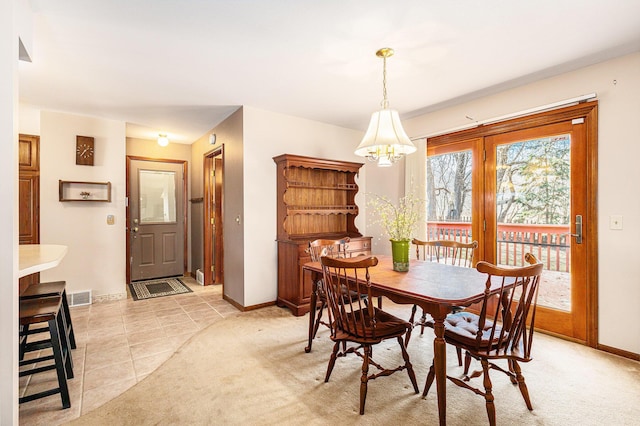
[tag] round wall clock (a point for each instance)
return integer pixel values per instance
(84, 150)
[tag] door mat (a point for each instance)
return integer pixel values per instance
(141, 290)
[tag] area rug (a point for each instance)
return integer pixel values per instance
(251, 369)
(141, 290)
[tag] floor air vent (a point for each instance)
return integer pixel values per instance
(80, 298)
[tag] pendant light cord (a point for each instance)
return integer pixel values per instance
(385, 102)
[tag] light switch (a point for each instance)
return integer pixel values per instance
(615, 221)
(111, 219)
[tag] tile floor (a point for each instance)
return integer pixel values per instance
(119, 343)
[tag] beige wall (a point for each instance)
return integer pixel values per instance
(96, 256)
(150, 149)
(617, 84)
(228, 134)
(266, 135)
(8, 214)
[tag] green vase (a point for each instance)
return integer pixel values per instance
(400, 254)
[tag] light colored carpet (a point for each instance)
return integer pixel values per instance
(252, 369)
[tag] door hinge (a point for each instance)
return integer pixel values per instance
(211, 268)
(484, 226)
(212, 221)
(126, 201)
(484, 155)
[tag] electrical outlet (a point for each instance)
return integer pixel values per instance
(111, 220)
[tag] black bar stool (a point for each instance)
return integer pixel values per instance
(54, 288)
(46, 310)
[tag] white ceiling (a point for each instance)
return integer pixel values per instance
(182, 66)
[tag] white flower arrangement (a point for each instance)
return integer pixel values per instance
(399, 220)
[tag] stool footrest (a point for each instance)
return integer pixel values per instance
(43, 394)
(36, 346)
(37, 370)
(34, 360)
(32, 331)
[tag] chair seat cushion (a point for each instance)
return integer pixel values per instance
(387, 325)
(463, 327)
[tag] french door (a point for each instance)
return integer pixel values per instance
(536, 202)
(526, 187)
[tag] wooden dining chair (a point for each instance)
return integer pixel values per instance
(531, 260)
(446, 251)
(442, 251)
(317, 249)
(502, 331)
(360, 323)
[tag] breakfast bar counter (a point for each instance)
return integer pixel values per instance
(38, 257)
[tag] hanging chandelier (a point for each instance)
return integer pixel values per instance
(385, 140)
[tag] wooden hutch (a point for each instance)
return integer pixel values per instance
(316, 199)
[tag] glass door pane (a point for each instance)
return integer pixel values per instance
(533, 211)
(157, 196)
(449, 196)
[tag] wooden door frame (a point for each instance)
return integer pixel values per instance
(208, 194)
(589, 112)
(184, 207)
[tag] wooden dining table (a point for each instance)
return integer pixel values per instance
(435, 287)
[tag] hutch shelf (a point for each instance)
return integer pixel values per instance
(316, 199)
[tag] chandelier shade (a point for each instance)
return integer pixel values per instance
(385, 133)
(385, 140)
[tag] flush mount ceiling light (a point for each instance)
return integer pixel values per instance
(385, 140)
(163, 140)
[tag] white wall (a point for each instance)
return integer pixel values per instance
(266, 135)
(617, 84)
(97, 253)
(29, 120)
(8, 213)
(385, 182)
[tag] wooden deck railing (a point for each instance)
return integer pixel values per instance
(549, 243)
